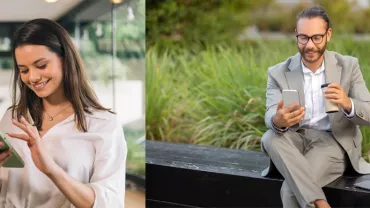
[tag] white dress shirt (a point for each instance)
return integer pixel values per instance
(96, 158)
(315, 115)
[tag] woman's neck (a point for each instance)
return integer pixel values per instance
(50, 103)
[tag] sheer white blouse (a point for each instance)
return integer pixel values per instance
(96, 158)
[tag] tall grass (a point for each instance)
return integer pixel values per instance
(215, 95)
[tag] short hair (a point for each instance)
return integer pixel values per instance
(313, 12)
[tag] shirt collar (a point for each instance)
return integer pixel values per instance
(319, 71)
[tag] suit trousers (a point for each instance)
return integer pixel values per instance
(308, 159)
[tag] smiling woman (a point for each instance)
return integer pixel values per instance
(73, 148)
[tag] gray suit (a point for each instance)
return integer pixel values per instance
(345, 136)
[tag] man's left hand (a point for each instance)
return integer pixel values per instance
(335, 93)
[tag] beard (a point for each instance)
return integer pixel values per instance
(317, 51)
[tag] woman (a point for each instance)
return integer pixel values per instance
(73, 148)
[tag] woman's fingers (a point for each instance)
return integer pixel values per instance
(28, 128)
(31, 136)
(23, 137)
(19, 125)
(5, 155)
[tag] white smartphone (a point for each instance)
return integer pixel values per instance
(290, 97)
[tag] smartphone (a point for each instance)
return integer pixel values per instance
(290, 97)
(15, 161)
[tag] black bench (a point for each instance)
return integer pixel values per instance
(180, 175)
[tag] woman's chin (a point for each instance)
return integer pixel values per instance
(41, 94)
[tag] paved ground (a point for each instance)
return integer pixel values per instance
(134, 199)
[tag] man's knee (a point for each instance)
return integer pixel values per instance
(268, 139)
(285, 191)
(287, 196)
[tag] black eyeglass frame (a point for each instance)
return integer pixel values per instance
(310, 37)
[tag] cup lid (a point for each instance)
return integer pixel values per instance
(325, 85)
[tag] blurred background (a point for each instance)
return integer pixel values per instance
(207, 61)
(110, 36)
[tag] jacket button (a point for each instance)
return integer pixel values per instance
(360, 114)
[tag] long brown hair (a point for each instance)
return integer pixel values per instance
(77, 88)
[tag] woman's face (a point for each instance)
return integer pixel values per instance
(40, 69)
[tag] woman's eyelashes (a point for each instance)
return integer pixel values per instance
(25, 71)
(42, 66)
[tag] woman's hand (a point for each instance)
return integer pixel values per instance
(40, 156)
(79, 194)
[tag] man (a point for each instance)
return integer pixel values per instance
(308, 146)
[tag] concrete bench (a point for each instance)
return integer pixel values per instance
(181, 175)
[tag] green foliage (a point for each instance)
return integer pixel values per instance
(197, 20)
(215, 95)
(131, 29)
(340, 14)
(96, 50)
(6, 63)
(214, 21)
(276, 17)
(343, 16)
(361, 21)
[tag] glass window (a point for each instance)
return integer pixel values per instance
(115, 63)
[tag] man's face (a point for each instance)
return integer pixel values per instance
(315, 47)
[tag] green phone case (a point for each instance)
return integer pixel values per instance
(15, 161)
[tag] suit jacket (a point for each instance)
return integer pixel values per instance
(340, 69)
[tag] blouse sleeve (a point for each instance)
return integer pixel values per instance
(5, 120)
(109, 174)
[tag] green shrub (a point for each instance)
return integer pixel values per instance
(198, 20)
(215, 95)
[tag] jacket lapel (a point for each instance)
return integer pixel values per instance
(295, 78)
(333, 72)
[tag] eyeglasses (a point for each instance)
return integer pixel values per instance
(317, 39)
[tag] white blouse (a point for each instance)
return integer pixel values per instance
(96, 158)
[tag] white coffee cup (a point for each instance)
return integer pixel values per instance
(330, 107)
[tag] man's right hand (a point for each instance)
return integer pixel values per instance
(286, 117)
